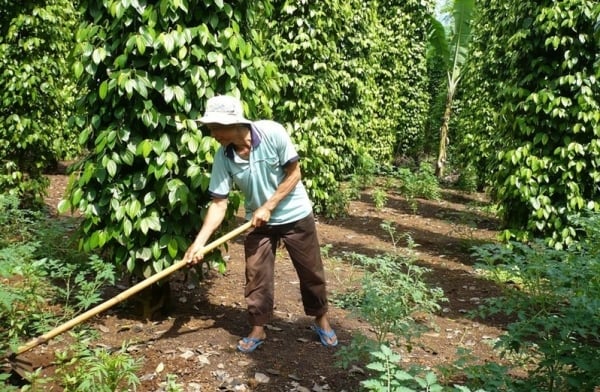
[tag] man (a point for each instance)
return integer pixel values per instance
(260, 159)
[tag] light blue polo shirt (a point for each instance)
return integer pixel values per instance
(260, 175)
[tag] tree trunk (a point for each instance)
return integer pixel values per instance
(441, 162)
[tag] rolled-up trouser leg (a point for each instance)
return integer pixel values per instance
(260, 249)
(302, 244)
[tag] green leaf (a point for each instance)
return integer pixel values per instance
(127, 227)
(172, 248)
(111, 168)
(103, 89)
(77, 69)
(133, 208)
(98, 55)
(168, 94)
(149, 198)
(150, 223)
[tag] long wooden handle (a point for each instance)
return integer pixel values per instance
(127, 293)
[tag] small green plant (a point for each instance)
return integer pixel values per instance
(30, 283)
(393, 291)
(15, 223)
(388, 376)
(468, 180)
(24, 291)
(27, 291)
(380, 198)
(423, 183)
(365, 169)
(171, 385)
(78, 284)
(554, 298)
(358, 351)
(489, 376)
(82, 369)
(338, 201)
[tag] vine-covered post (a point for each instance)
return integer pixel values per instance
(147, 69)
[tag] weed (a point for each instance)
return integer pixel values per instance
(358, 351)
(490, 376)
(555, 300)
(380, 198)
(422, 183)
(389, 377)
(171, 385)
(78, 284)
(392, 291)
(82, 369)
(35, 291)
(23, 294)
(468, 180)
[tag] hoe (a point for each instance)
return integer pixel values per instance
(20, 366)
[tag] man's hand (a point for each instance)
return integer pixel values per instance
(261, 216)
(193, 255)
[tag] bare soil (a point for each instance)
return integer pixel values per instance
(197, 340)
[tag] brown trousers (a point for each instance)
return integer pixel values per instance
(301, 242)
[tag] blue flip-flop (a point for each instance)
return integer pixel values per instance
(255, 343)
(324, 336)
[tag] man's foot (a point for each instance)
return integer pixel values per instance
(327, 338)
(326, 334)
(250, 343)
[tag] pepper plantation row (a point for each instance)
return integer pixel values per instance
(503, 94)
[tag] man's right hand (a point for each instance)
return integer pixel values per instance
(193, 255)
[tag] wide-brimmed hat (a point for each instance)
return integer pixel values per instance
(224, 109)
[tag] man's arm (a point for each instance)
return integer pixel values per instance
(292, 178)
(214, 217)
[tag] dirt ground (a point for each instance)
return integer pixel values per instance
(196, 342)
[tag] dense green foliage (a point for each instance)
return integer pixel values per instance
(325, 101)
(149, 69)
(534, 97)
(37, 92)
(555, 302)
(403, 103)
(353, 83)
(39, 270)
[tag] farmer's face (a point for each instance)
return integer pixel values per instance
(224, 134)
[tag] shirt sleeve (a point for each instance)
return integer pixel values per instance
(286, 149)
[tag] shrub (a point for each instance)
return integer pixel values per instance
(37, 93)
(555, 300)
